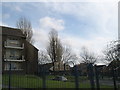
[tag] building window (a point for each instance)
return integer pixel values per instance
(7, 66)
(12, 53)
(15, 54)
(13, 42)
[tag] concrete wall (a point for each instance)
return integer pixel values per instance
(31, 58)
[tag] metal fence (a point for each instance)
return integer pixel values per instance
(73, 78)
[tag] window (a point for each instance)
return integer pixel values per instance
(13, 42)
(7, 66)
(12, 54)
(14, 66)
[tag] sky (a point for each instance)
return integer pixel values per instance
(89, 24)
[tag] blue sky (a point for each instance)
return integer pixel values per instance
(90, 24)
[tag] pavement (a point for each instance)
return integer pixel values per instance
(108, 82)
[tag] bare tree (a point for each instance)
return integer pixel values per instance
(43, 57)
(68, 56)
(57, 51)
(112, 52)
(54, 48)
(87, 56)
(26, 27)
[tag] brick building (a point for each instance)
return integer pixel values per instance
(59, 68)
(17, 53)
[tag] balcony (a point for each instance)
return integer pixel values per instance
(7, 69)
(15, 66)
(14, 59)
(14, 46)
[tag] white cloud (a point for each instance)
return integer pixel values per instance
(41, 38)
(41, 34)
(97, 14)
(51, 23)
(102, 17)
(97, 44)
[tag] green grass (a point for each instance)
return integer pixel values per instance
(30, 81)
(23, 81)
(80, 79)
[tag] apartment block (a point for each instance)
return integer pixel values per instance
(18, 55)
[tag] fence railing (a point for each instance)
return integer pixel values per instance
(71, 79)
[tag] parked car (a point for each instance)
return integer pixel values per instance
(60, 78)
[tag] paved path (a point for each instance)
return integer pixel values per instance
(108, 82)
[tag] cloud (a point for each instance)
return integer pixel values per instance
(100, 21)
(41, 34)
(41, 38)
(96, 16)
(96, 45)
(51, 23)
(101, 24)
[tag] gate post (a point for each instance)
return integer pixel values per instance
(91, 75)
(44, 81)
(97, 78)
(114, 78)
(76, 77)
(44, 78)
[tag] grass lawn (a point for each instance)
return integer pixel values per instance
(30, 81)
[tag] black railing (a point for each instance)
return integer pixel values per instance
(45, 79)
